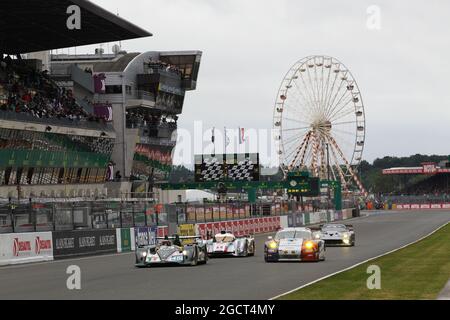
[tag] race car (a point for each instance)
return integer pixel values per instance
(175, 250)
(294, 244)
(335, 234)
(227, 244)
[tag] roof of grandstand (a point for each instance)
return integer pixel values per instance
(426, 168)
(36, 25)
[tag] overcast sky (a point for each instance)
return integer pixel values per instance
(402, 69)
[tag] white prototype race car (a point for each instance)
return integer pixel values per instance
(227, 244)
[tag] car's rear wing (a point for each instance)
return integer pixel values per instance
(246, 236)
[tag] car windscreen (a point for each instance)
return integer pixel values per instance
(336, 227)
(293, 234)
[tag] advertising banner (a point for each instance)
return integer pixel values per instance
(200, 213)
(145, 235)
(306, 219)
(25, 247)
(241, 227)
(162, 231)
(236, 229)
(216, 213)
(80, 242)
(125, 239)
(229, 212)
(186, 230)
(423, 206)
(229, 226)
(208, 213)
(190, 213)
(247, 210)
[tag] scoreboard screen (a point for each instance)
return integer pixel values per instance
(227, 167)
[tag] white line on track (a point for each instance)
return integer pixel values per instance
(24, 265)
(360, 263)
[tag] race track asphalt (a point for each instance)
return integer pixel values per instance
(115, 277)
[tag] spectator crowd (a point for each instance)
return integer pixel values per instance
(157, 64)
(23, 89)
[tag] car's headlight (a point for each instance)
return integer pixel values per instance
(317, 236)
(309, 245)
(345, 235)
(185, 253)
(273, 245)
(144, 253)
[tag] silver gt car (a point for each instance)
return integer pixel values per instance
(335, 234)
(227, 244)
(172, 251)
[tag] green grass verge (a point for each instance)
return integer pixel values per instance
(419, 271)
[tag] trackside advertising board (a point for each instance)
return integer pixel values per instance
(240, 227)
(145, 236)
(125, 239)
(186, 230)
(81, 242)
(415, 206)
(25, 247)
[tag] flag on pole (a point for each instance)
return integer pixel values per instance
(226, 139)
(241, 135)
(212, 135)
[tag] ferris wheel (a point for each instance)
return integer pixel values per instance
(319, 121)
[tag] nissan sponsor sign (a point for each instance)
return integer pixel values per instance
(80, 242)
(25, 247)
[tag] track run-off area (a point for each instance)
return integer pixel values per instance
(115, 277)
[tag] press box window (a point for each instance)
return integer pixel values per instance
(113, 89)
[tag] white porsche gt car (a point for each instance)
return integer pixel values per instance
(294, 244)
(227, 244)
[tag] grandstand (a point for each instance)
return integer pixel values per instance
(434, 178)
(142, 95)
(56, 130)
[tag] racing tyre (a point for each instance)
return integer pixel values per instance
(194, 261)
(253, 251)
(206, 258)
